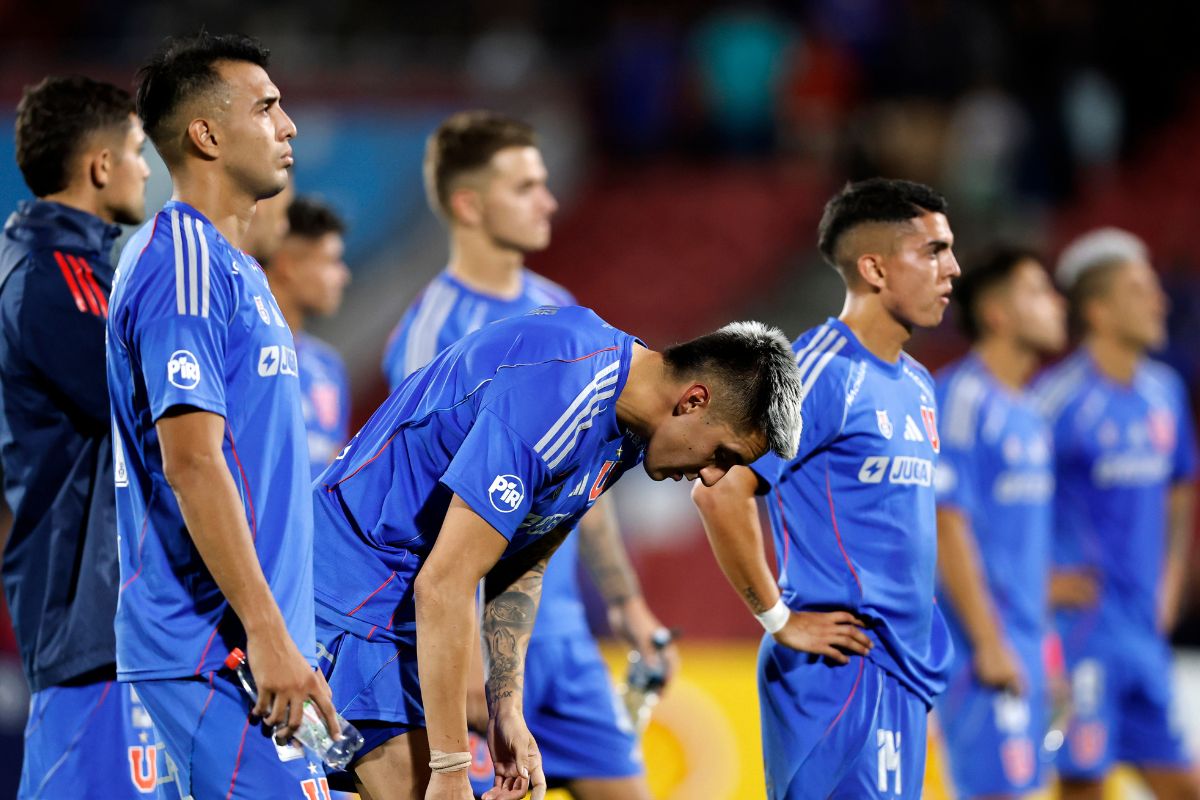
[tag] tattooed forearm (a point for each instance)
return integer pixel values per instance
(603, 552)
(507, 624)
(753, 600)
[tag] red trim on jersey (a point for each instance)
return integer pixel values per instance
(87, 289)
(69, 278)
(372, 594)
(787, 545)
(237, 764)
(207, 645)
(853, 691)
(141, 539)
(91, 279)
(245, 484)
(838, 533)
(397, 433)
(387, 627)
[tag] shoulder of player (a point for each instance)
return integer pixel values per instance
(917, 372)
(181, 254)
(1057, 387)
(962, 394)
(322, 350)
(49, 280)
(1161, 378)
(557, 293)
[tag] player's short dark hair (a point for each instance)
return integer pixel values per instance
(183, 68)
(54, 118)
(310, 218)
(463, 143)
(992, 270)
(873, 200)
(758, 380)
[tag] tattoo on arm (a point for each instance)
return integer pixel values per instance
(603, 552)
(755, 602)
(507, 624)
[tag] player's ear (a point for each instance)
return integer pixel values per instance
(202, 135)
(870, 269)
(694, 398)
(100, 167)
(466, 206)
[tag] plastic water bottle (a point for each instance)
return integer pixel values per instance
(312, 732)
(644, 683)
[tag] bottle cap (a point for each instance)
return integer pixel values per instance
(235, 658)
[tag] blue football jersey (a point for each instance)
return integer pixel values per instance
(325, 396)
(192, 323)
(1118, 449)
(518, 419)
(444, 313)
(854, 515)
(996, 468)
(448, 310)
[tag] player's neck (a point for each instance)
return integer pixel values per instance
(227, 207)
(482, 266)
(1115, 359)
(646, 395)
(85, 200)
(292, 313)
(876, 329)
(1007, 361)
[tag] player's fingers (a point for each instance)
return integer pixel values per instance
(263, 706)
(328, 712)
(860, 637)
(854, 645)
(833, 654)
(846, 618)
(537, 783)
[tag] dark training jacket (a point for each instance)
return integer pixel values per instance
(60, 564)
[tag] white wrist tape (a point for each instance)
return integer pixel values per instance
(448, 762)
(775, 617)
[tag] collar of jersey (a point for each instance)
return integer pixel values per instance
(68, 227)
(893, 369)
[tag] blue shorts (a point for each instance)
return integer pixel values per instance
(575, 716)
(374, 682)
(212, 751)
(842, 732)
(994, 739)
(90, 741)
(1121, 710)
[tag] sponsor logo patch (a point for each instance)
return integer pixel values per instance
(506, 493)
(183, 370)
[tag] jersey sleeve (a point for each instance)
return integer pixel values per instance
(496, 473)
(61, 331)
(1183, 466)
(955, 474)
(181, 345)
(823, 412)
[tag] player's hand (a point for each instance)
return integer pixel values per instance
(516, 758)
(830, 634)
(997, 667)
(633, 621)
(449, 786)
(1074, 588)
(285, 681)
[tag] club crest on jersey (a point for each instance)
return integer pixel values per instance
(1160, 426)
(884, 423)
(183, 370)
(929, 417)
(506, 493)
(263, 314)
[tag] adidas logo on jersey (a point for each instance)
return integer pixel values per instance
(911, 432)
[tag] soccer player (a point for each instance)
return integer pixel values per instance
(1125, 461)
(855, 649)
(478, 465)
(79, 147)
(995, 482)
(307, 276)
(212, 473)
(486, 179)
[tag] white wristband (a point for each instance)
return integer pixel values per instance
(775, 617)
